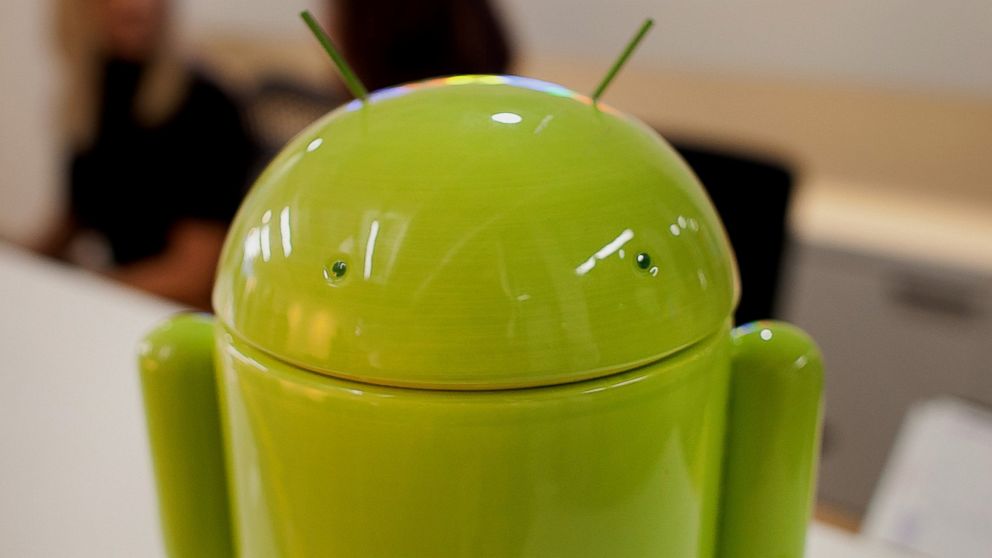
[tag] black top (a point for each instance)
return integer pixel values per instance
(133, 183)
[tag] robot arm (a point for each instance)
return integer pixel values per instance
(773, 431)
(180, 395)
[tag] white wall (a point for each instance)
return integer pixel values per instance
(270, 17)
(28, 150)
(902, 44)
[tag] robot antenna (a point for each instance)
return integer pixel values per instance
(615, 68)
(350, 79)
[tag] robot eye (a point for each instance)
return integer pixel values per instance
(335, 271)
(643, 261)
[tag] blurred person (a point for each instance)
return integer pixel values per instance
(389, 42)
(158, 158)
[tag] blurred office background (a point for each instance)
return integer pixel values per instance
(875, 118)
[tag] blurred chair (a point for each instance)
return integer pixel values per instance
(752, 197)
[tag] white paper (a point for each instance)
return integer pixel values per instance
(935, 495)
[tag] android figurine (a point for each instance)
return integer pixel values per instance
(480, 316)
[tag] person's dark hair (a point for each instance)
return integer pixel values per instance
(389, 42)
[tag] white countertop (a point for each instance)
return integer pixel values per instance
(75, 473)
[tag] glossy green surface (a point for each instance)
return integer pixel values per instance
(710, 452)
(475, 232)
(774, 416)
(558, 271)
(625, 466)
(177, 382)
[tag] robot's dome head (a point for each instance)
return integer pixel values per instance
(475, 232)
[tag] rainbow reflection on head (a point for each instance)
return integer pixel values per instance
(473, 79)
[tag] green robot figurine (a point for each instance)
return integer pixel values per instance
(480, 316)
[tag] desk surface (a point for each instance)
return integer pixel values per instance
(75, 475)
